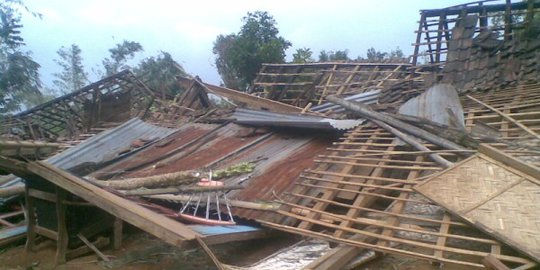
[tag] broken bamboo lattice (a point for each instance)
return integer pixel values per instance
(349, 195)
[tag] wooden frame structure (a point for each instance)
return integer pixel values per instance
(360, 192)
(435, 27)
(61, 234)
(83, 109)
(301, 84)
(516, 107)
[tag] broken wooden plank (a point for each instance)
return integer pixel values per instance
(93, 248)
(170, 231)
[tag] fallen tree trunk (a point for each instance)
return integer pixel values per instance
(194, 189)
(156, 181)
(174, 179)
(10, 191)
(370, 114)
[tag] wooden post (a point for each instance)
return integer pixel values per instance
(118, 227)
(63, 237)
(30, 222)
(418, 39)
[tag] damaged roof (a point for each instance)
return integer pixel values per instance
(263, 118)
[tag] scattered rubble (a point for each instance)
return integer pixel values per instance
(433, 161)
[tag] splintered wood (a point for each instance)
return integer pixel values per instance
(495, 197)
(360, 193)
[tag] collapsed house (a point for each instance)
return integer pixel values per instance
(434, 160)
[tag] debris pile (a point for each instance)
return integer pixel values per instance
(436, 161)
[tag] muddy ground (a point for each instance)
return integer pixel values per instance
(143, 252)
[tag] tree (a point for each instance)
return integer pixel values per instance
(303, 55)
(73, 76)
(119, 56)
(375, 56)
(222, 48)
(394, 56)
(240, 56)
(160, 72)
(331, 56)
(19, 73)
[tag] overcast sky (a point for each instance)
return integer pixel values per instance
(187, 29)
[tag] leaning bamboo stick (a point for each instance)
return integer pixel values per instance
(370, 114)
(414, 143)
(210, 254)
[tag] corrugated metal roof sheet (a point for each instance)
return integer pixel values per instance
(440, 103)
(283, 157)
(266, 118)
(105, 146)
(370, 97)
(194, 146)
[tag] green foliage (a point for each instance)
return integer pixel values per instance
(303, 55)
(394, 56)
(19, 76)
(375, 56)
(331, 56)
(160, 72)
(73, 76)
(222, 48)
(236, 169)
(240, 56)
(119, 56)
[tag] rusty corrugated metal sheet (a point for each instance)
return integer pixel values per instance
(194, 146)
(280, 158)
(284, 158)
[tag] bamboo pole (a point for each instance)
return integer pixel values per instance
(370, 114)
(415, 143)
